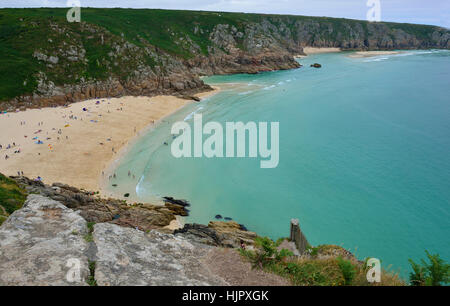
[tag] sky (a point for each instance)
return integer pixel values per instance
(435, 12)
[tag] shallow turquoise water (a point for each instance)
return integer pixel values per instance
(364, 155)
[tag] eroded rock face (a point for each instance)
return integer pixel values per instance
(126, 256)
(95, 209)
(40, 243)
(218, 233)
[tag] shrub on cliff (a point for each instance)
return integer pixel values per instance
(266, 253)
(434, 273)
(348, 270)
(12, 197)
(330, 265)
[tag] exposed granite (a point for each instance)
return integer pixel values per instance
(40, 242)
(95, 209)
(127, 256)
(218, 233)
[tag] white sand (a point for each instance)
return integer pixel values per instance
(362, 54)
(86, 144)
(313, 50)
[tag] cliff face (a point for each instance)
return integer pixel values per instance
(46, 243)
(46, 61)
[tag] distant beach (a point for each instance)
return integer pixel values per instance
(314, 50)
(357, 54)
(73, 145)
(362, 54)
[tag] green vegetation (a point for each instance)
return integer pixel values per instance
(348, 270)
(267, 253)
(89, 237)
(327, 267)
(154, 34)
(434, 273)
(12, 197)
(91, 278)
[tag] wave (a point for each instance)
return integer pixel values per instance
(402, 54)
(188, 117)
(269, 87)
(245, 93)
(376, 59)
(138, 186)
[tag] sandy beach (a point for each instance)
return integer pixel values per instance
(362, 54)
(73, 145)
(314, 50)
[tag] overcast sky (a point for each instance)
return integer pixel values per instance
(435, 12)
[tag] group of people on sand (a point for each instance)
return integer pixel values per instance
(114, 176)
(9, 146)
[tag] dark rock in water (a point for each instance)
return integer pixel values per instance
(126, 195)
(243, 228)
(316, 65)
(228, 218)
(218, 217)
(114, 185)
(171, 200)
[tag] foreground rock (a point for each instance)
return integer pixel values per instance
(40, 243)
(130, 257)
(46, 243)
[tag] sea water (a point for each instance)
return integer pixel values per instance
(364, 155)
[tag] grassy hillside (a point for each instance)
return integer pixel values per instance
(12, 197)
(179, 34)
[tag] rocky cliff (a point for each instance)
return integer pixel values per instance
(61, 235)
(46, 243)
(46, 61)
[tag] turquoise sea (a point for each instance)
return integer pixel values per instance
(364, 155)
